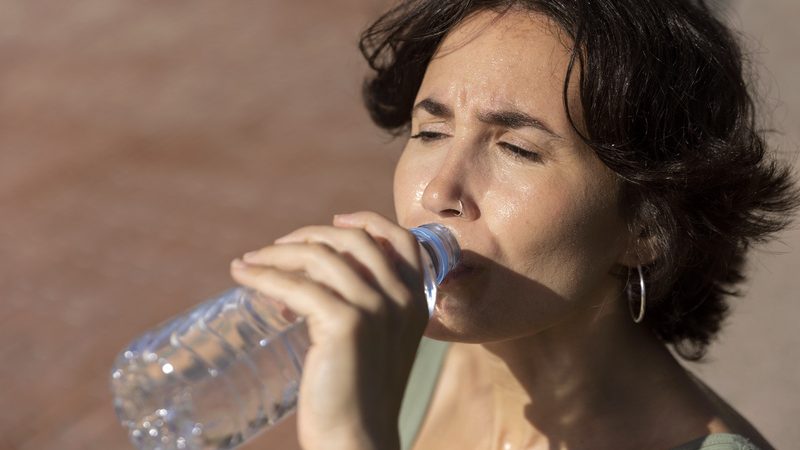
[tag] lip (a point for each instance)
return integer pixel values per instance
(458, 274)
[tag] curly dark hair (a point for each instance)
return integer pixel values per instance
(665, 106)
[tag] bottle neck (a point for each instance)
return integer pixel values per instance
(441, 246)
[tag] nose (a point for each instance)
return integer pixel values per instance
(446, 195)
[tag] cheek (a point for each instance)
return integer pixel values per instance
(562, 234)
(408, 187)
(511, 206)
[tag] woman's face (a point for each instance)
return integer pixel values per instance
(540, 223)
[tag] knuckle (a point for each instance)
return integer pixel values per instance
(405, 298)
(302, 287)
(351, 319)
(269, 276)
(358, 237)
(372, 305)
(409, 243)
(320, 249)
(310, 290)
(321, 257)
(375, 304)
(359, 234)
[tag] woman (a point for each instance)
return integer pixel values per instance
(598, 163)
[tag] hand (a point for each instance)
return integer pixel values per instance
(359, 286)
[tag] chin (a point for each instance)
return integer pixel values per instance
(452, 322)
(462, 317)
(439, 332)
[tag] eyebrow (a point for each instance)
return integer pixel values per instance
(508, 118)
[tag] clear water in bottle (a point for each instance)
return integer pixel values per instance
(230, 367)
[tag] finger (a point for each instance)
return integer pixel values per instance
(362, 251)
(303, 296)
(400, 241)
(365, 252)
(324, 265)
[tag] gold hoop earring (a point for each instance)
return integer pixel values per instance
(637, 318)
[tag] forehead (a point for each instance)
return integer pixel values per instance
(509, 27)
(517, 57)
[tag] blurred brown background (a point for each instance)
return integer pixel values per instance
(145, 144)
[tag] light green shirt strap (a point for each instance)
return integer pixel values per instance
(719, 441)
(419, 390)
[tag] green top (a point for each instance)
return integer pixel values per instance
(422, 382)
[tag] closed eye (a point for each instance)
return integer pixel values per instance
(520, 152)
(426, 136)
(517, 152)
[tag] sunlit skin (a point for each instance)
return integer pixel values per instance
(561, 363)
(545, 354)
(539, 212)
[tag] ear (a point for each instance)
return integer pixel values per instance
(642, 248)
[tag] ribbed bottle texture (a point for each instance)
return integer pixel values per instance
(231, 366)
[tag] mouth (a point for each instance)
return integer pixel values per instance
(458, 274)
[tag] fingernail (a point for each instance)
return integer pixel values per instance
(249, 256)
(238, 264)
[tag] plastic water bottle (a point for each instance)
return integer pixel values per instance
(230, 367)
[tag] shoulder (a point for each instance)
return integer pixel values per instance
(729, 429)
(719, 441)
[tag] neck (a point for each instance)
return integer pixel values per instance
(575, 382)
